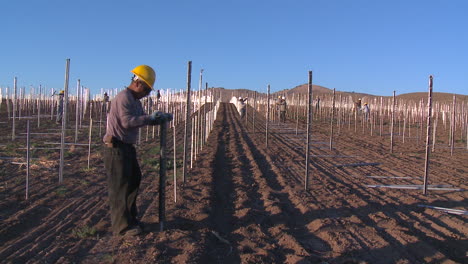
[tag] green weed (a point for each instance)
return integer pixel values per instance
(61, 191)
(84, 232)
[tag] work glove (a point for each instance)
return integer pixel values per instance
(158, 118)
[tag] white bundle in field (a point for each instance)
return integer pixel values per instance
(444, 119)
(86, 97)
(234, 100)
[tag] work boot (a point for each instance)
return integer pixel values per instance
(140, 224)
(131, 231)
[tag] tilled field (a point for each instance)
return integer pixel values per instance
(244, 203)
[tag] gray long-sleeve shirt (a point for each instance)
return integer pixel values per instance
(125, 117)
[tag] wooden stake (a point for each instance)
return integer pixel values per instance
(64, 119)
(89, 140)
(331, 120)
(162, 176)
(27, 159)
(309, 130)
(14, 109)
(452, 136)
(428, 138)
(267, 117)
(393, 123)
(175, 161)
(187, 121)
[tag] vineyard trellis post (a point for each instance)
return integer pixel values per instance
(331, 120)
(429, 112)
(89, 139)
(15, 80)
(392, 123)
(39, 101)
(64, 118)
(267, 117)
(309, 130)
(452, 136)
(27, 158)
(253, 112)
(162, 176)
(187, 120)
(204, 131)
(77, 113)
(175, 159)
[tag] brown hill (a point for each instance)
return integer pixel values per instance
(321, 91)
(437, 97)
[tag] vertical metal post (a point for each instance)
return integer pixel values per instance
(381, 116)
(77, 109)
(89, 139)
(392, 123)
(429, 112)
(27, 159)
(8, 102)
(331, 119)
(434, 132)
(39, 102)
(14, 109)
(204, 131)
(267, 117)
(52, 104)
(64, 120)
(175, 161)
(199, 119)
(162, 176)
(254, 110)
(187, 120)
(309, 131)
(297, 112)
(452, 136)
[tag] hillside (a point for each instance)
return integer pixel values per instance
(317, 90)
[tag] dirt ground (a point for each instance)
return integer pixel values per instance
(243, 202)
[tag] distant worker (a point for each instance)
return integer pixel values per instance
(317, 105)
(158, 97)
(282, 107)
(60, 96)
(366, 111)
(357, 105)
(120, 159)
(105, 103)
(242, 106)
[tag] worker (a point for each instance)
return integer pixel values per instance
(105, 103)
(158, 97)
(282, 107)
(60, 96)
(366, 111)
(357, 105)
(242, 106)
(123, 171)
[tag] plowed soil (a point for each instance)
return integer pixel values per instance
(245, 203)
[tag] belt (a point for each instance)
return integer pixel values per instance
(116, 143)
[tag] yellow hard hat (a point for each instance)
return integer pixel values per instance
(62, 92)
(145, 73)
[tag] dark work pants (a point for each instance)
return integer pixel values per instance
(123, 179)
(283, 116)
(242, 112)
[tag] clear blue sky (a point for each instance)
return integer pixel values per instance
(369, 46)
